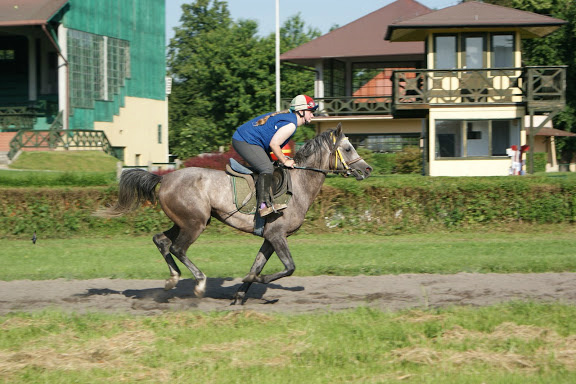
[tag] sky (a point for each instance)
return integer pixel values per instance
(319, 14)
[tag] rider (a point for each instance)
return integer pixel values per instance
(255, 139)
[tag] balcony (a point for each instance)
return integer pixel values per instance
(541, 89)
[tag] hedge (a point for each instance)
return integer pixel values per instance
(383, 205)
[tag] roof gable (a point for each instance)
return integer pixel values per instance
(362, 37)
(472, 15)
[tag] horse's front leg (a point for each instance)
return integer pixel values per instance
(266, 250)
(280, 245)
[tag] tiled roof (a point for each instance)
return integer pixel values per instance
(473, 14)
(363, 37)
(28, 12)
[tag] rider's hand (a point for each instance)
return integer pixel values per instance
(289, 163)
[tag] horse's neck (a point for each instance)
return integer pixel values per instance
(310, 182)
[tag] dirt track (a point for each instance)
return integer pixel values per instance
(289, 295)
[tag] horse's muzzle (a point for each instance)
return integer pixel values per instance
(361, 173)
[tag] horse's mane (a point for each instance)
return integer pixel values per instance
(313, 148)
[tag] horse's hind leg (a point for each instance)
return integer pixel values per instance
(163, 242)
(266, 250)
(179, 247)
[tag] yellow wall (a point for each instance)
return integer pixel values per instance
(136, 129)
(370, 125)
(470, 167)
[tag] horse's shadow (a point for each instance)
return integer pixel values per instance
(215, 289)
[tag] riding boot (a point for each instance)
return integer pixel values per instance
(263, 194)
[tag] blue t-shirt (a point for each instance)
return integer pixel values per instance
(261, 135)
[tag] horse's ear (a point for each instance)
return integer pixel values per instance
(339, 129)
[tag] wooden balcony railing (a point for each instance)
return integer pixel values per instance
(350, 105)
(540, 88)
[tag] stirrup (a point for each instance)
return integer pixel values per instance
(279, 207)
(265, 211)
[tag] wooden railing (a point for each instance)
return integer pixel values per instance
(13, 118)
(56, 137)
(349, 106)
(541, 87)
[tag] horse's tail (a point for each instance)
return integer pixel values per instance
(136, 186)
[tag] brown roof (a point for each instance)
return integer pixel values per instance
(474, 14)
(552, 132)
(28, 12)
(362, 37)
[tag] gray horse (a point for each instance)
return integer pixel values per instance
(191, 196)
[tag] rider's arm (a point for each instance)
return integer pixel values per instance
(281, 135)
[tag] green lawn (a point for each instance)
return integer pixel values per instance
(229, 254)
(516, 343)
(66, 161)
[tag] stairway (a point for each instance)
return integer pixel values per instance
(5, 138)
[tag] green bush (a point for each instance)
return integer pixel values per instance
(55, 179)
(383, 205)
(383, 163)
(409, 160)
(539, 162)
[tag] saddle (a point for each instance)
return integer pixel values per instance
(244, 180)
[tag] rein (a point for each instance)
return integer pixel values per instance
(337, 157)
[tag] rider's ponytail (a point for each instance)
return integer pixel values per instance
(263, 120)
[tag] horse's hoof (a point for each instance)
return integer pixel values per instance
(200, 289)
(239, 299)
(171, 283)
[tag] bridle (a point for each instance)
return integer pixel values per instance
(337, 155)
(335, 158)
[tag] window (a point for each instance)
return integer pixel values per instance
(502, 51)
(7, 55)
(99, 66)
(475, 138)
(448, 138)
(473, 51)
(159, 133)
(501, 135)
(375, 79)
(445, 52)
(334, 78)
(385, 143)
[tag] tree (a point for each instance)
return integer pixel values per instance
(224, 75)
(559, 48)
(297, 80)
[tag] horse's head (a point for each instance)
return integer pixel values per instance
(344, 158)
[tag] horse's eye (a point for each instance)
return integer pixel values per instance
(348, 149)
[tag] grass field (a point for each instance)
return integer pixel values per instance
(513, 343)
(66, 161)
(229, 254)
(518, 342)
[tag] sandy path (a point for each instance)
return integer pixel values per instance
(289, 295)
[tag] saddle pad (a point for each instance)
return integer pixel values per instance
(245, 194)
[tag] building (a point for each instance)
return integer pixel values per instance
(450, 81)
(93, 68)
